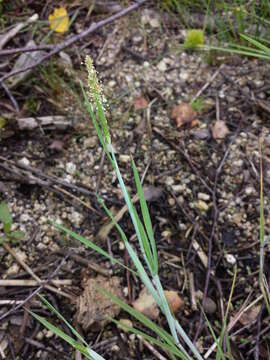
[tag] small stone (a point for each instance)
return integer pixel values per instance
(125, 322)
(71, 168)
(249, 190)
(201, 205)
(169, 181)
(179, 188)
(184, 75)
(41, 246)
(13, 269)
(90, 142)
(137, 39)
(210, 306)
(202, 134)
(230, 259)
(66, 59)
(24, 161)
(121, 246)
(40, 336)
(154, 23)
(258, 83)
(166, 234)
(112, 83)
(238, 163)
(129, 78)
(203, 196)
(124, 158)
(162, 66)
(76, 218)
(25, 218)
(21, 255)
(49, 334)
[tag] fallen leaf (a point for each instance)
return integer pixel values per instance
(147, 305)
(140, 103)
(94, 307)
(220, 130)
(174, 300)
(59, 20)
(183, 114)
(250, 315)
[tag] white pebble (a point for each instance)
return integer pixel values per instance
(71, 168)
(203, 196)
(230, 259)
(24, 162)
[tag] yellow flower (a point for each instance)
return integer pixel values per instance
(59, 20)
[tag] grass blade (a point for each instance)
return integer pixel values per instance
(146, 219)
(76, 345)
(91, 245)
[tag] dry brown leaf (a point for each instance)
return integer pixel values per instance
(174, 300)
(220, 130)
(94, 307)
(183, 114)
(250, 315)
(140, 103)
(147, 305)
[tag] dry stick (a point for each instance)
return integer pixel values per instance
(14, 302)
(12, 99)
(67, 43)
(25, 49)
(30, 272)
(193, 301)
(26, 282)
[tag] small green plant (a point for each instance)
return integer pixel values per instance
(198, 104)
(6, 220)
(194, 39)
